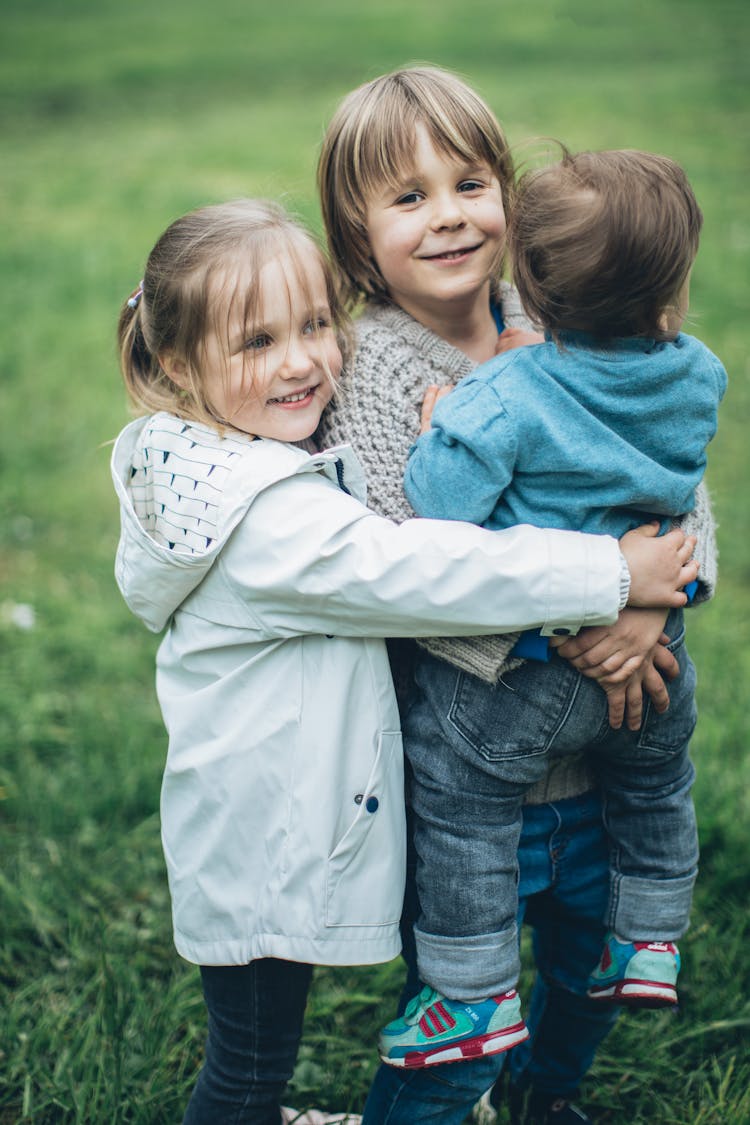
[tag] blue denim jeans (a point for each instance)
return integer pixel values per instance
(255, 1015)
(475, 749)
(563, 892)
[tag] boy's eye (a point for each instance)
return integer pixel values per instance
(470, 185)
(410, 197)
(257, 343)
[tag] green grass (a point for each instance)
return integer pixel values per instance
(115, 118)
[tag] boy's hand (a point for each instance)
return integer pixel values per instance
(626, 700)
(431, 396)
(625, 659)
(659, 566)
(511, 338)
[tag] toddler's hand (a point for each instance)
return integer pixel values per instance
(511, 338)
(659, 566)
(431, 397)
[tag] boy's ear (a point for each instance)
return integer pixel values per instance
(174, 368)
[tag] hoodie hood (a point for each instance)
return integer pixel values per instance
(155, 573)
(183, 488)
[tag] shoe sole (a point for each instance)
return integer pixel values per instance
(636, 994)
(493, 1044)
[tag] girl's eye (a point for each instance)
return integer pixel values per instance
(470, 185)
(316, 324)
(257, 343)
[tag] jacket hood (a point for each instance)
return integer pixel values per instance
(183, 488)
(153, 579)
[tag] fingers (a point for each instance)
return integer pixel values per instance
(428, 405)
(511, 338)
(665, 662)
(655, 687)
(634, 705)
(616, 707)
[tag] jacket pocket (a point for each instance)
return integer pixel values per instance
(366, 870)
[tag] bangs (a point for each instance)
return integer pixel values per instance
(386, 139)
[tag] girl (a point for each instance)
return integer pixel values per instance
(414, 176)
(282, 801)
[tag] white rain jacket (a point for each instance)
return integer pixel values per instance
(282, 802)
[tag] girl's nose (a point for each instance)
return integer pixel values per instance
(298, 361)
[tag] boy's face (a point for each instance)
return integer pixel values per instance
(438, 235)
(273, 377)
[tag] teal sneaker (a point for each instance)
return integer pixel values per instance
(435, 1030)
(642, 974)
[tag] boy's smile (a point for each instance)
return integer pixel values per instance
(438, 235)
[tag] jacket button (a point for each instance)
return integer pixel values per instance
(359, 798)
(561, 632)
(372, 804)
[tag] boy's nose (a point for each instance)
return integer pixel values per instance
(447, 213)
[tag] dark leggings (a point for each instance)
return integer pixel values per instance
(255, 1015)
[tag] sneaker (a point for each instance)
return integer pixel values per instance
(315, 1117)
(528, 1107)
(435, 1030)
(640, 973)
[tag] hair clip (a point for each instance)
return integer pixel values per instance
(135, 299)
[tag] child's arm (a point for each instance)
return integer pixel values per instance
(459, 468)
(314, 560)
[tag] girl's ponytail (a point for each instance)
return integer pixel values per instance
(141, 370)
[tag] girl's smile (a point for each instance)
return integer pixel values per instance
(274, 377)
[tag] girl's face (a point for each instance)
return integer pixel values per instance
(273, 377)
(438, 235)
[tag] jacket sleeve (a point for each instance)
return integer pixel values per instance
(307, 558)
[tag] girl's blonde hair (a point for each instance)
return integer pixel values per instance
(602, 242)
(174, 308)
(370, 143)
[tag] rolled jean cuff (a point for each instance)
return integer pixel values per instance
(650, 909)
(469, 968)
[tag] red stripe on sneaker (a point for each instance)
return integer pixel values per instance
(436, 1020)
(445, 1015)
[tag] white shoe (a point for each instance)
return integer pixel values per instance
(315, 1117)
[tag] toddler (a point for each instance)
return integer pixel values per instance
(601, 427)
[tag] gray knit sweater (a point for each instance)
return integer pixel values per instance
(377, 411)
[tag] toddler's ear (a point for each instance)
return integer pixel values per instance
(174, 368)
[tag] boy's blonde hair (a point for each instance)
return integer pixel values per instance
(370, 143)
(602, 242)
(178, 302)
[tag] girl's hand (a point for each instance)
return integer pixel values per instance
(431, 397)
(511, 338)
(625, 658)
(659, 566)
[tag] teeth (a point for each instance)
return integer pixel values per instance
(295, 397)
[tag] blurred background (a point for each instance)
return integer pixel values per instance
(115, 118)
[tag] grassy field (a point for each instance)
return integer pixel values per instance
(115, 118)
